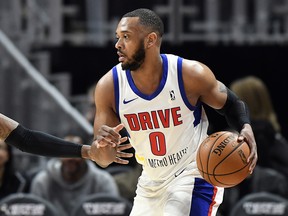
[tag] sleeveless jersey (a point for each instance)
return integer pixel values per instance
(164, 128)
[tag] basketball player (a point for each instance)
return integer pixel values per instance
(37, 142)
(158, 99)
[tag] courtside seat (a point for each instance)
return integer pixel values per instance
(21, 204)
(261, 203)
(102, 204)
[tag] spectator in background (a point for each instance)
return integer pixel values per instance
(11, 181)
(273, 147)
(28, 164)
(66, 181)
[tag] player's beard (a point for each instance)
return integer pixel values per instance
(137, 59)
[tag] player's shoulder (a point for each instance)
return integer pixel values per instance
(188, 63)
(196, 72)
(191, 69)
(106, 81)
(195, 68)
(107, 77)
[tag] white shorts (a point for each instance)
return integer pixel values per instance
(185, 194)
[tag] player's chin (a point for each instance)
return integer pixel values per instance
(123, 65)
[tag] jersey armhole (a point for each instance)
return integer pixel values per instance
(181, 84)
(198, 108)
(116, 89)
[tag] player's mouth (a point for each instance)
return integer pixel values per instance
(121, 56)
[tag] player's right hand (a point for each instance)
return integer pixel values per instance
(247, 134)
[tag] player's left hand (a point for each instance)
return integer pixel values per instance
(108, 146)
(247, 135)
(108, 136)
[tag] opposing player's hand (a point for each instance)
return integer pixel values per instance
(247, 134)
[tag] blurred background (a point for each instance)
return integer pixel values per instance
(53, 51)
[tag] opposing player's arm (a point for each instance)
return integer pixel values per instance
(37, 142)
(107, 125)
(7, 125)
(40, 143)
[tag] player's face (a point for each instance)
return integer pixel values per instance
(72, 166)
(130, 44)
(136, 60)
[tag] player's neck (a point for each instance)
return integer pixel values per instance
(148, 77)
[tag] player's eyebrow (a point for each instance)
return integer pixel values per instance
(123, 31)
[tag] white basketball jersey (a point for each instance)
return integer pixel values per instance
(164, 128)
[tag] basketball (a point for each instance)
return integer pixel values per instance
(222, 160)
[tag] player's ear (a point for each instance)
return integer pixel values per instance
(151, 39)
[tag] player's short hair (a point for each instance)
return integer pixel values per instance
(149, 19)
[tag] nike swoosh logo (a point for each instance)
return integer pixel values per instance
(128, 101)
(177, 174)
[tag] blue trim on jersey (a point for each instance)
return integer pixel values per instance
(181, 84)
(160, 87)
(197, 113)
(202, 198)
(198, 108)
(116, 90)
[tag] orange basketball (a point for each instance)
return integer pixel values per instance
(222, 160)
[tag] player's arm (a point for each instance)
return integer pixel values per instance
(216, 95)
(40, 143)
(107, 126)
(37, 142)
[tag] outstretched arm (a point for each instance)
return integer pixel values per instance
(40, 143)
